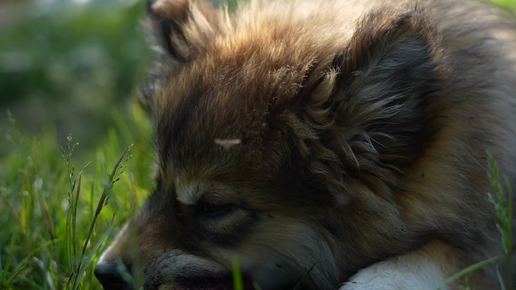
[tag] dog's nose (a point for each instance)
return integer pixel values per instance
(114, 276)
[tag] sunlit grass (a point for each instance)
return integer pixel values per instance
(57, 214)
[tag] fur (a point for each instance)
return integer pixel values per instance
(346, 139)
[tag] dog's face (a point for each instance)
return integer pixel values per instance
(222, 189)
(192, 227)
(258, 161)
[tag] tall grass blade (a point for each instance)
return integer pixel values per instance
(7, 263)
(468, 270)
(238, 283)
(113, 177)
(88, 258)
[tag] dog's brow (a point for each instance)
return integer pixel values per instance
(188, 194)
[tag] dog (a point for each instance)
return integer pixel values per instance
(322, 144)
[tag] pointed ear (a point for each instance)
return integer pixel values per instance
(370, 115)
(180, 29)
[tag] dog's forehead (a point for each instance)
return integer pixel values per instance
(190, 188)
(188, 191)
(183, 186)
(212, 121)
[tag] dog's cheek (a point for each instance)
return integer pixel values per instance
(279, 251)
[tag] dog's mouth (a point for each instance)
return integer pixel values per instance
(209, 284)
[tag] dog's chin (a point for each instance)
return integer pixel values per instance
(207, 284)
(213, 284)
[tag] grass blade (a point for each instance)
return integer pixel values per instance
(113, 177)
(238, 283)
(8, 262)
(468, 270)
(88, 258)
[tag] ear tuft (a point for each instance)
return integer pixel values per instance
(163, 18)
(370, 118)
(181, 28)
(178, 31)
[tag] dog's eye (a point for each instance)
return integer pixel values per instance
(215, 209)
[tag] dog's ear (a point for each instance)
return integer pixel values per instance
(368, 115)
(178, 31)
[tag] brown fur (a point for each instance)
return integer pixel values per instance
(362, 125)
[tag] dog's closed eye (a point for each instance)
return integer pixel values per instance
(212, 210)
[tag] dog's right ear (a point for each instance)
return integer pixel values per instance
(180, 29)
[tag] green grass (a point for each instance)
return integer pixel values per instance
(502, 201)
(57, 210)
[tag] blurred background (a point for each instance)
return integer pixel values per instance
(69, 64)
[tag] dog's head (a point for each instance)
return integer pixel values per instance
(279, 138)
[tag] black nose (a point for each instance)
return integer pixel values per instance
(114, 276)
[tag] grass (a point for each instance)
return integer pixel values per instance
(502, 202)
(56, 217)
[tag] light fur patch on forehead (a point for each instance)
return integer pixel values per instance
(188, 192)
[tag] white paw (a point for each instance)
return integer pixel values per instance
(402, 273)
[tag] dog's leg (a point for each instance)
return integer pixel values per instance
(424, 269)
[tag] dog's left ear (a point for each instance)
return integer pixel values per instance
(180, 29)
(177, 31)
(367, 117)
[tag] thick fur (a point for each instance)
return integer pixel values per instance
(354, 141)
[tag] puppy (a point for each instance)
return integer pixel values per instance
(322, 145)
